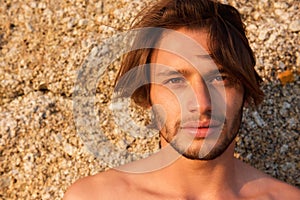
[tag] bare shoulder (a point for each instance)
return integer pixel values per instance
(277, 189)
(99, 186)
(283, 190)
(262, 185)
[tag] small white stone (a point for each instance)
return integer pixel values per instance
(116, 106)
(284, 148)
(252, 27)
(69, 149)
(33, 4)
(257, 118)
(298, 59)
(46, 196)
(278, 12)
(83, 22)
(42, 5)
(292, 123)
(286, 105)
(281, 5)
(262, 35)
(282, 14)
(271, 39)
(71, 23)
(281, 65)
(295, 25)
(29, 27)
(94, 52)
(256, 15)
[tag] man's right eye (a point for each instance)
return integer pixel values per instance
(177, 80)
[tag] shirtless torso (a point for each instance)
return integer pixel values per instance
(249, 183)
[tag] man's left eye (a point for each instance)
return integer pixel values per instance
(220, 78)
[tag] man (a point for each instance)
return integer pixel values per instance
(197, 103)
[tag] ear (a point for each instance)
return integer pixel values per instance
(246, 103)
(247, 100)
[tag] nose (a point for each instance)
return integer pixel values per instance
(199, 99)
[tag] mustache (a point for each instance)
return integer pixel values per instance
(158, 121)
(205, 117)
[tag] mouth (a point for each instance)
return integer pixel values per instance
(201, 130)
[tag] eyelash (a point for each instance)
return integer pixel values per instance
(223, 79)
(175, 81)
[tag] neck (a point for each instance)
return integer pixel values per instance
(200, 178)
(189, 179)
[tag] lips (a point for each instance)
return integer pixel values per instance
(201, 129)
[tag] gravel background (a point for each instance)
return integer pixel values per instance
(44, 43)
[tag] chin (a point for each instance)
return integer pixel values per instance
(195, 151)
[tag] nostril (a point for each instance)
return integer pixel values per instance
(199, 103)
(193, 106)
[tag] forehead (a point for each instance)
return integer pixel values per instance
(182, 50)
(184, 40)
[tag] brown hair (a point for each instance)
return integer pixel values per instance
(228, 44)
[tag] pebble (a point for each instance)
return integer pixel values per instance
(281, 5)
(295, 25)
(257, 118)
(292, 123)
(281, 14)
(298, 60)
(284, 148)
(286, 77)
(263, 34)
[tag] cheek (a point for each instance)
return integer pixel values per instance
(165, 99)
(234, 101)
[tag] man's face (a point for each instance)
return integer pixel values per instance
(198, 106)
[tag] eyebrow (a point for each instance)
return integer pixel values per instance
(183, 72)
(169, 72)
(205, 56)
(219, 70)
